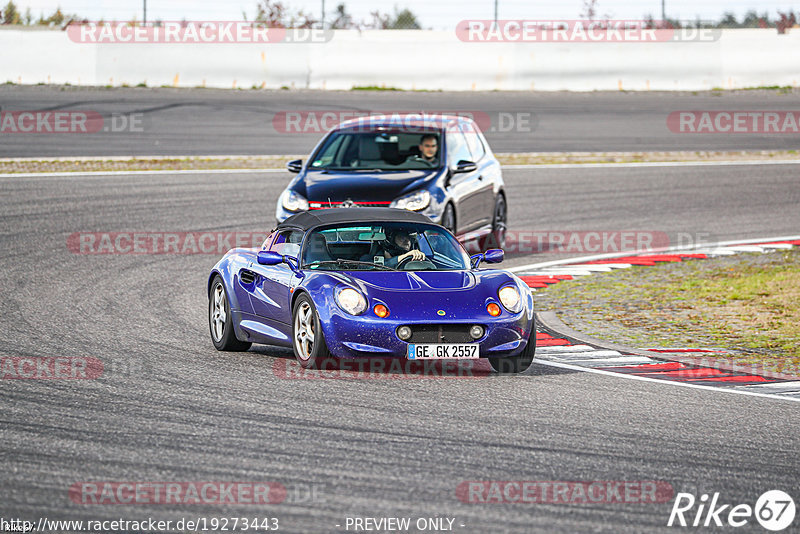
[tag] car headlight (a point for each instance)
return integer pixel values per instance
(291, 201)
(414, 202)
(351, 301)
(509, 296)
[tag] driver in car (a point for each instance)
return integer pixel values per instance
(398, 247)
(428, 147)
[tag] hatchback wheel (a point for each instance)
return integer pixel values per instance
(499, 221)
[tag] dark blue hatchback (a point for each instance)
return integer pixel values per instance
(437, 165)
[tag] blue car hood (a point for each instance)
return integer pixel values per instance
(419, 296)
(317, 186)
(415, 280)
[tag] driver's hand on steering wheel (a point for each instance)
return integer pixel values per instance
(416, 255)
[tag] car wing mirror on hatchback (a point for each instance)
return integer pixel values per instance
(465, 166)
(296, 165)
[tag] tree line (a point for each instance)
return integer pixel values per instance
(275, 13)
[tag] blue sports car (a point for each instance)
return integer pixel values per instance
(370, 282)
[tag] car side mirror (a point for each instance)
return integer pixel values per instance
(268, 257)
(465, 166)
(296, 165)
(493, 255)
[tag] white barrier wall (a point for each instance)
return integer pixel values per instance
(434, 60)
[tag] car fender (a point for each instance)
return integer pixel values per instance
(228, 268)
(322, 287)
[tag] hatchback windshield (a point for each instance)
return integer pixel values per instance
(379, 150)
(383, 246)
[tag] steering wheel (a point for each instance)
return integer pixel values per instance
(410, 264)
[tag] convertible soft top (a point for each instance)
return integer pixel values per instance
(309, 219)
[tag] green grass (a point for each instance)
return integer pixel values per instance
(779, 88)
(782, 89)
(748, 303)
(374, 88)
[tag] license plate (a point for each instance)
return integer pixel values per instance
(443, 351)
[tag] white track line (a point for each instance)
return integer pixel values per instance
(651, 164)
(781, 246)
(596, 354)
(555, 272)
(79, 174)
(619, 361)
(661, 381)
(695, 248)
(600, 267)
(557, 349)
(746, 248)
(520, 167)
(715, 251)
(779, 387)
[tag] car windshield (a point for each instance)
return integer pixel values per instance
(379, 150)
(383, 246)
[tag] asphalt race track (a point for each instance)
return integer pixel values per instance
(168, 407)
(208, 121)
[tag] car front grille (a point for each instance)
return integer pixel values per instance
(440, 333)
(348, 204)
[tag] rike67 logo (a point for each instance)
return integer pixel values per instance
(774, 510)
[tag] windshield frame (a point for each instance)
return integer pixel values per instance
(420, 229)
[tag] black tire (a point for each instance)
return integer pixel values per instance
(496, 238)
(312, 355)
(221, 328)
(449, 218)
(500, 221)
(516, 364)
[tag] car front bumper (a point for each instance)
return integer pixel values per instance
(433, 212)
(358, 337)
